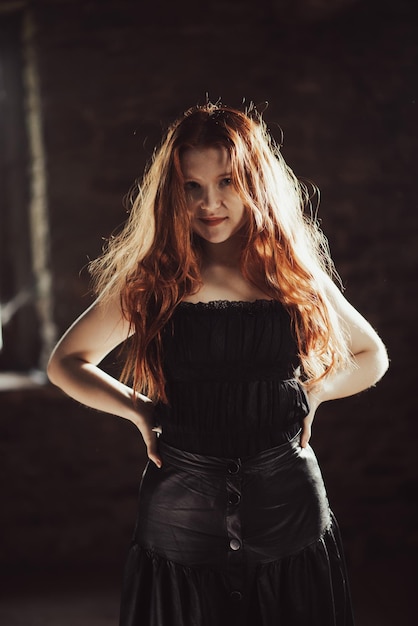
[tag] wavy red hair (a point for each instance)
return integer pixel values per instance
(155, 261)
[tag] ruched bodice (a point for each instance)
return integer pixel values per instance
(230, 378)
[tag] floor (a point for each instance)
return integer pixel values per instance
(82, 609)
(62, 601)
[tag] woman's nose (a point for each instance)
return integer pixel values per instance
(210, 198)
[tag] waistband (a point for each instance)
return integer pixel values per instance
(189, 460)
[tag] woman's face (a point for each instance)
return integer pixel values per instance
(216, 208)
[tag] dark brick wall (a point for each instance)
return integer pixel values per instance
(341, 84)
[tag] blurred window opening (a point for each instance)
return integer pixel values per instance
(21, 326)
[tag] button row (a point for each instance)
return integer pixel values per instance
(234, 523)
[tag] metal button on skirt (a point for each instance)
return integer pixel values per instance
(250, 539)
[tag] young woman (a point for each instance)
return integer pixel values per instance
(237, 333)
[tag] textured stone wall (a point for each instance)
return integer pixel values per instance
(340, 83)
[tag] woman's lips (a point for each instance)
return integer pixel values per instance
(212, 221)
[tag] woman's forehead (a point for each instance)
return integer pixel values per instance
(200, 159)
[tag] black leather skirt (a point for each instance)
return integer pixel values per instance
(246, 539)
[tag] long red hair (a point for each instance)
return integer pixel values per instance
(155, 261)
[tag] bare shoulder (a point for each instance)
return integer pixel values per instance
(361, 334)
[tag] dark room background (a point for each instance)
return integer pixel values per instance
(86, 88)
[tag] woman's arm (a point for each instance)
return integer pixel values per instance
(73, 366)
(370, 359)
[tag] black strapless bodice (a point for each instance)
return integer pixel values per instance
(230, 378)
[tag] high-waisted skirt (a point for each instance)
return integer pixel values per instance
(245, 541)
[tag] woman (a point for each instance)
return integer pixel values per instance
(237, 334)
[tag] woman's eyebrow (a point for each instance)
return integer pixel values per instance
(191, 177)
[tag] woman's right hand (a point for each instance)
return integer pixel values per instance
(144, 422)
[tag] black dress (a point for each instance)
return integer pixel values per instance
(235, 527)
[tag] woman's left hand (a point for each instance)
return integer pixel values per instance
(314, 402)
(307, 429)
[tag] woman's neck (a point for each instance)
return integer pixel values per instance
(226, 254)
(221, 274)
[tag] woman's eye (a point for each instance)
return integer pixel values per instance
(225, 182)
(191, 185)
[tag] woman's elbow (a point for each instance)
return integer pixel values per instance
(52, 370)
(58, 368)
(381, 360)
